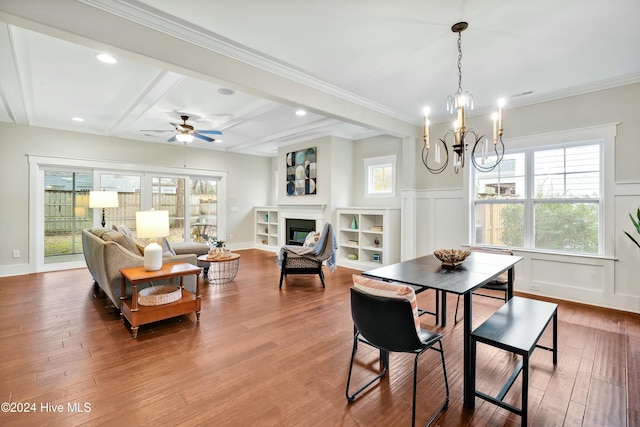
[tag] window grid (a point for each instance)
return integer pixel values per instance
(576, 168)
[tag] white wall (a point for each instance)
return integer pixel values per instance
(247, 185)
(440, 202)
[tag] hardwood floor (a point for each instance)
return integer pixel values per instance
(263, 357)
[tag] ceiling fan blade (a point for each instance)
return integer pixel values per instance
(172, 139)
(156, 130)
(206, 138)
(210, 132)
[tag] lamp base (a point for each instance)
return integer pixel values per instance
(153, 257)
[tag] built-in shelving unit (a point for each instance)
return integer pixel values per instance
(266, 233)
(368, 237)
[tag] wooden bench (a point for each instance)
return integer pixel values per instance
(516, 327)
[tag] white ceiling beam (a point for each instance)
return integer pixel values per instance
(11, 93)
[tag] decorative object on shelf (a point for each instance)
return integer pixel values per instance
(152, 224)
(159, 295)
(352, 242)
(376, 228)
(103, 199)
(451, 257)
(354, 224)
(266, 217)
(488, 158)
(636, 224)
(376, 242)
(301, 172)
(377, 258)
(352, 257)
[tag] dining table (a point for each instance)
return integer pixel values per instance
(427, 272)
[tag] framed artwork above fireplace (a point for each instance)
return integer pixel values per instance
(302, 172)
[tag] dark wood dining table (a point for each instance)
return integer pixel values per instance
(427, 272)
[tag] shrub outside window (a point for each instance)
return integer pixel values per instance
(380, 176)
(542, 198)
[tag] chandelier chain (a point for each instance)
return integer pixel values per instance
(460, 63)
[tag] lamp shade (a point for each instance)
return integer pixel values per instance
(152, 224)
(103, 199)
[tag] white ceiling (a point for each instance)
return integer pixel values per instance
(372, 57)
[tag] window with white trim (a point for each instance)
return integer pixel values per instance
(379, 176)
(544, 198)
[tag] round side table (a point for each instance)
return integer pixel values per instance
(221, 270)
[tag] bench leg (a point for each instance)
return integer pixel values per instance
(525, 388)
(555, 337)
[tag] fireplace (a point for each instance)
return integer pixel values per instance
(297, 230)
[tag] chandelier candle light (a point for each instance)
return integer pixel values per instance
(457, 103)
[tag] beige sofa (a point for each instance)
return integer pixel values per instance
(106, 251)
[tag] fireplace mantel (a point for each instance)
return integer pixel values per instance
(313, 212)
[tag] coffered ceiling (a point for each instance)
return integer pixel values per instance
(358, 68)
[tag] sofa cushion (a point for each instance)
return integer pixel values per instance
(125, 241)
(389, 290)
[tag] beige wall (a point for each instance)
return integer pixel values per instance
(597, 108)
(612, 281)
(248, 183)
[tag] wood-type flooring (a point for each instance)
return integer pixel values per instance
(267, 357)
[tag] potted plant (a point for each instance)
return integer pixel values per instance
(636, 224)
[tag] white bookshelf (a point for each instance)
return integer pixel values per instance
(266, 231)
(375, 241)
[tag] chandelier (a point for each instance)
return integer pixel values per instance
(484, 158)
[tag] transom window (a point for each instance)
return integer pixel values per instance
(545, 198)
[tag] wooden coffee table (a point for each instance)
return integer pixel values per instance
(222, 270)
(141, 314)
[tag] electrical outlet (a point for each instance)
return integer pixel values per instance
(534, 287)
(231, 237)
(16, 253)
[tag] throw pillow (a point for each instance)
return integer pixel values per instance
(389, 290)
(125, 241)
(124, 230)
(311, 239)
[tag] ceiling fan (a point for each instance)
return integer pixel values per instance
(186, 132)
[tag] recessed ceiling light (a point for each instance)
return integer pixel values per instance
(106, 58)
(77, 119)
(218, 141)
(301, 113)
(226, 91)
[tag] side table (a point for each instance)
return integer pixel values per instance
(139, 314)
(222, 270)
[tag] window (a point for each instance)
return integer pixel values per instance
(379, 176)
(66, 213)
(545, 198)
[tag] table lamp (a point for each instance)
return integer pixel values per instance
(103, 199)
(152, 224)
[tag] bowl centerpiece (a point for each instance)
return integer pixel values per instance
(451, 257)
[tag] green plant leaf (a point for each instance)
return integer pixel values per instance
(636, 224)
(634, 240)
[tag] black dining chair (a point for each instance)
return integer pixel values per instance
(388, 324)
(501, 283)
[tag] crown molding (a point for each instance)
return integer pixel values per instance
(142, 14)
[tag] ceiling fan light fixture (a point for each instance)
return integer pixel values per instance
(184, 137)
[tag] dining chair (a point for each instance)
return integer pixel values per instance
(499, 284)
(391, 324)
